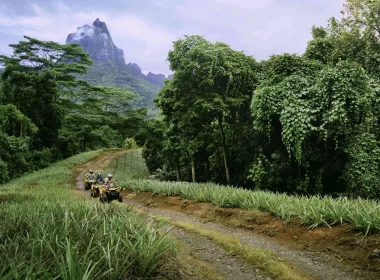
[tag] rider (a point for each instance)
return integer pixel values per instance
(99, 178)
(91, 175)
(109, 182)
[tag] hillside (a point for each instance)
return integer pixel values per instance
(109, 74)
(110, 68)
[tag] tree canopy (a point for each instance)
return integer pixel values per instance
(294, 123)
(48, 112)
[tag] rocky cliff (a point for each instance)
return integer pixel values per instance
(110, 68)
(97, 41)
(157, 79)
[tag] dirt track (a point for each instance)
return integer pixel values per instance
(227, 266)
(317, 265)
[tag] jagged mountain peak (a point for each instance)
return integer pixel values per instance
(101, 25)
(97, 41)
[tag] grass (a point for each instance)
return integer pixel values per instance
(47, 232)
(363, 215)
(188, 266)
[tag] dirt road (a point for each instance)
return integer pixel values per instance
(315, 265)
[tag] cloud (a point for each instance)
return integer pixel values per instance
(145, 29)
(84, 31)
(143, 42)
(260, 27)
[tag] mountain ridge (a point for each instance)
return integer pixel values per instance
(97, 41)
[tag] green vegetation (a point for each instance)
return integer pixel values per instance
(49, 232)
(108, 74)
(304, 124)
(47, 113)
(314, 211)
(298, 124)
(130, 143)
(129, 166)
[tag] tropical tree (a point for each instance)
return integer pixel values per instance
(319, 113)
(211, 84)
(16, 131)
(36, 76)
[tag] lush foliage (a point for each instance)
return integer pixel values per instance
(299, 124)
(99, 117)
(205, 108)
(108, 74)
(130, 143)
(48, 233)
(319, 114)
(47, 113)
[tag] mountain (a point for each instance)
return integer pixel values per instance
(110, 68)
(96, 40)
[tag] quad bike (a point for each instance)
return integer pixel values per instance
(95, 187)
(89, 183)
(95, 190)
(108, 193)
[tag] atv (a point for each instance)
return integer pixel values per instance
(108, 193)
(95, 187)
(88, 184)
(95, 190)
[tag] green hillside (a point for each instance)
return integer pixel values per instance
(108, 74)
(109, 67)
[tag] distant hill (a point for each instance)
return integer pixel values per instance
(110, 68)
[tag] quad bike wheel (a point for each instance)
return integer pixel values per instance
(120, 198)
(87, 186)
(104, 198)
(94, 193)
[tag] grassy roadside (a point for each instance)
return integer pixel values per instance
(363, 215)
(46, 232)
(258, 258)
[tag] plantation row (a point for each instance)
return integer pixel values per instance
(363, 214)
(47, 232)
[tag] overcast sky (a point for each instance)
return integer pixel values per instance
(145, 29)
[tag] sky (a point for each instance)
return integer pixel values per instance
(146, 29)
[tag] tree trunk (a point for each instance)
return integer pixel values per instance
(224, 150)
(208, 169)
(177, 169)
(193, 171)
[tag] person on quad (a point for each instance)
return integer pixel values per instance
(99, 179)
(109, 182)
(89, 180)
(91, 175)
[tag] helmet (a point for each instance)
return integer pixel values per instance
(109, 175)
(99, 174)
(91, 171)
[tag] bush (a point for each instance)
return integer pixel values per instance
(130, 143)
